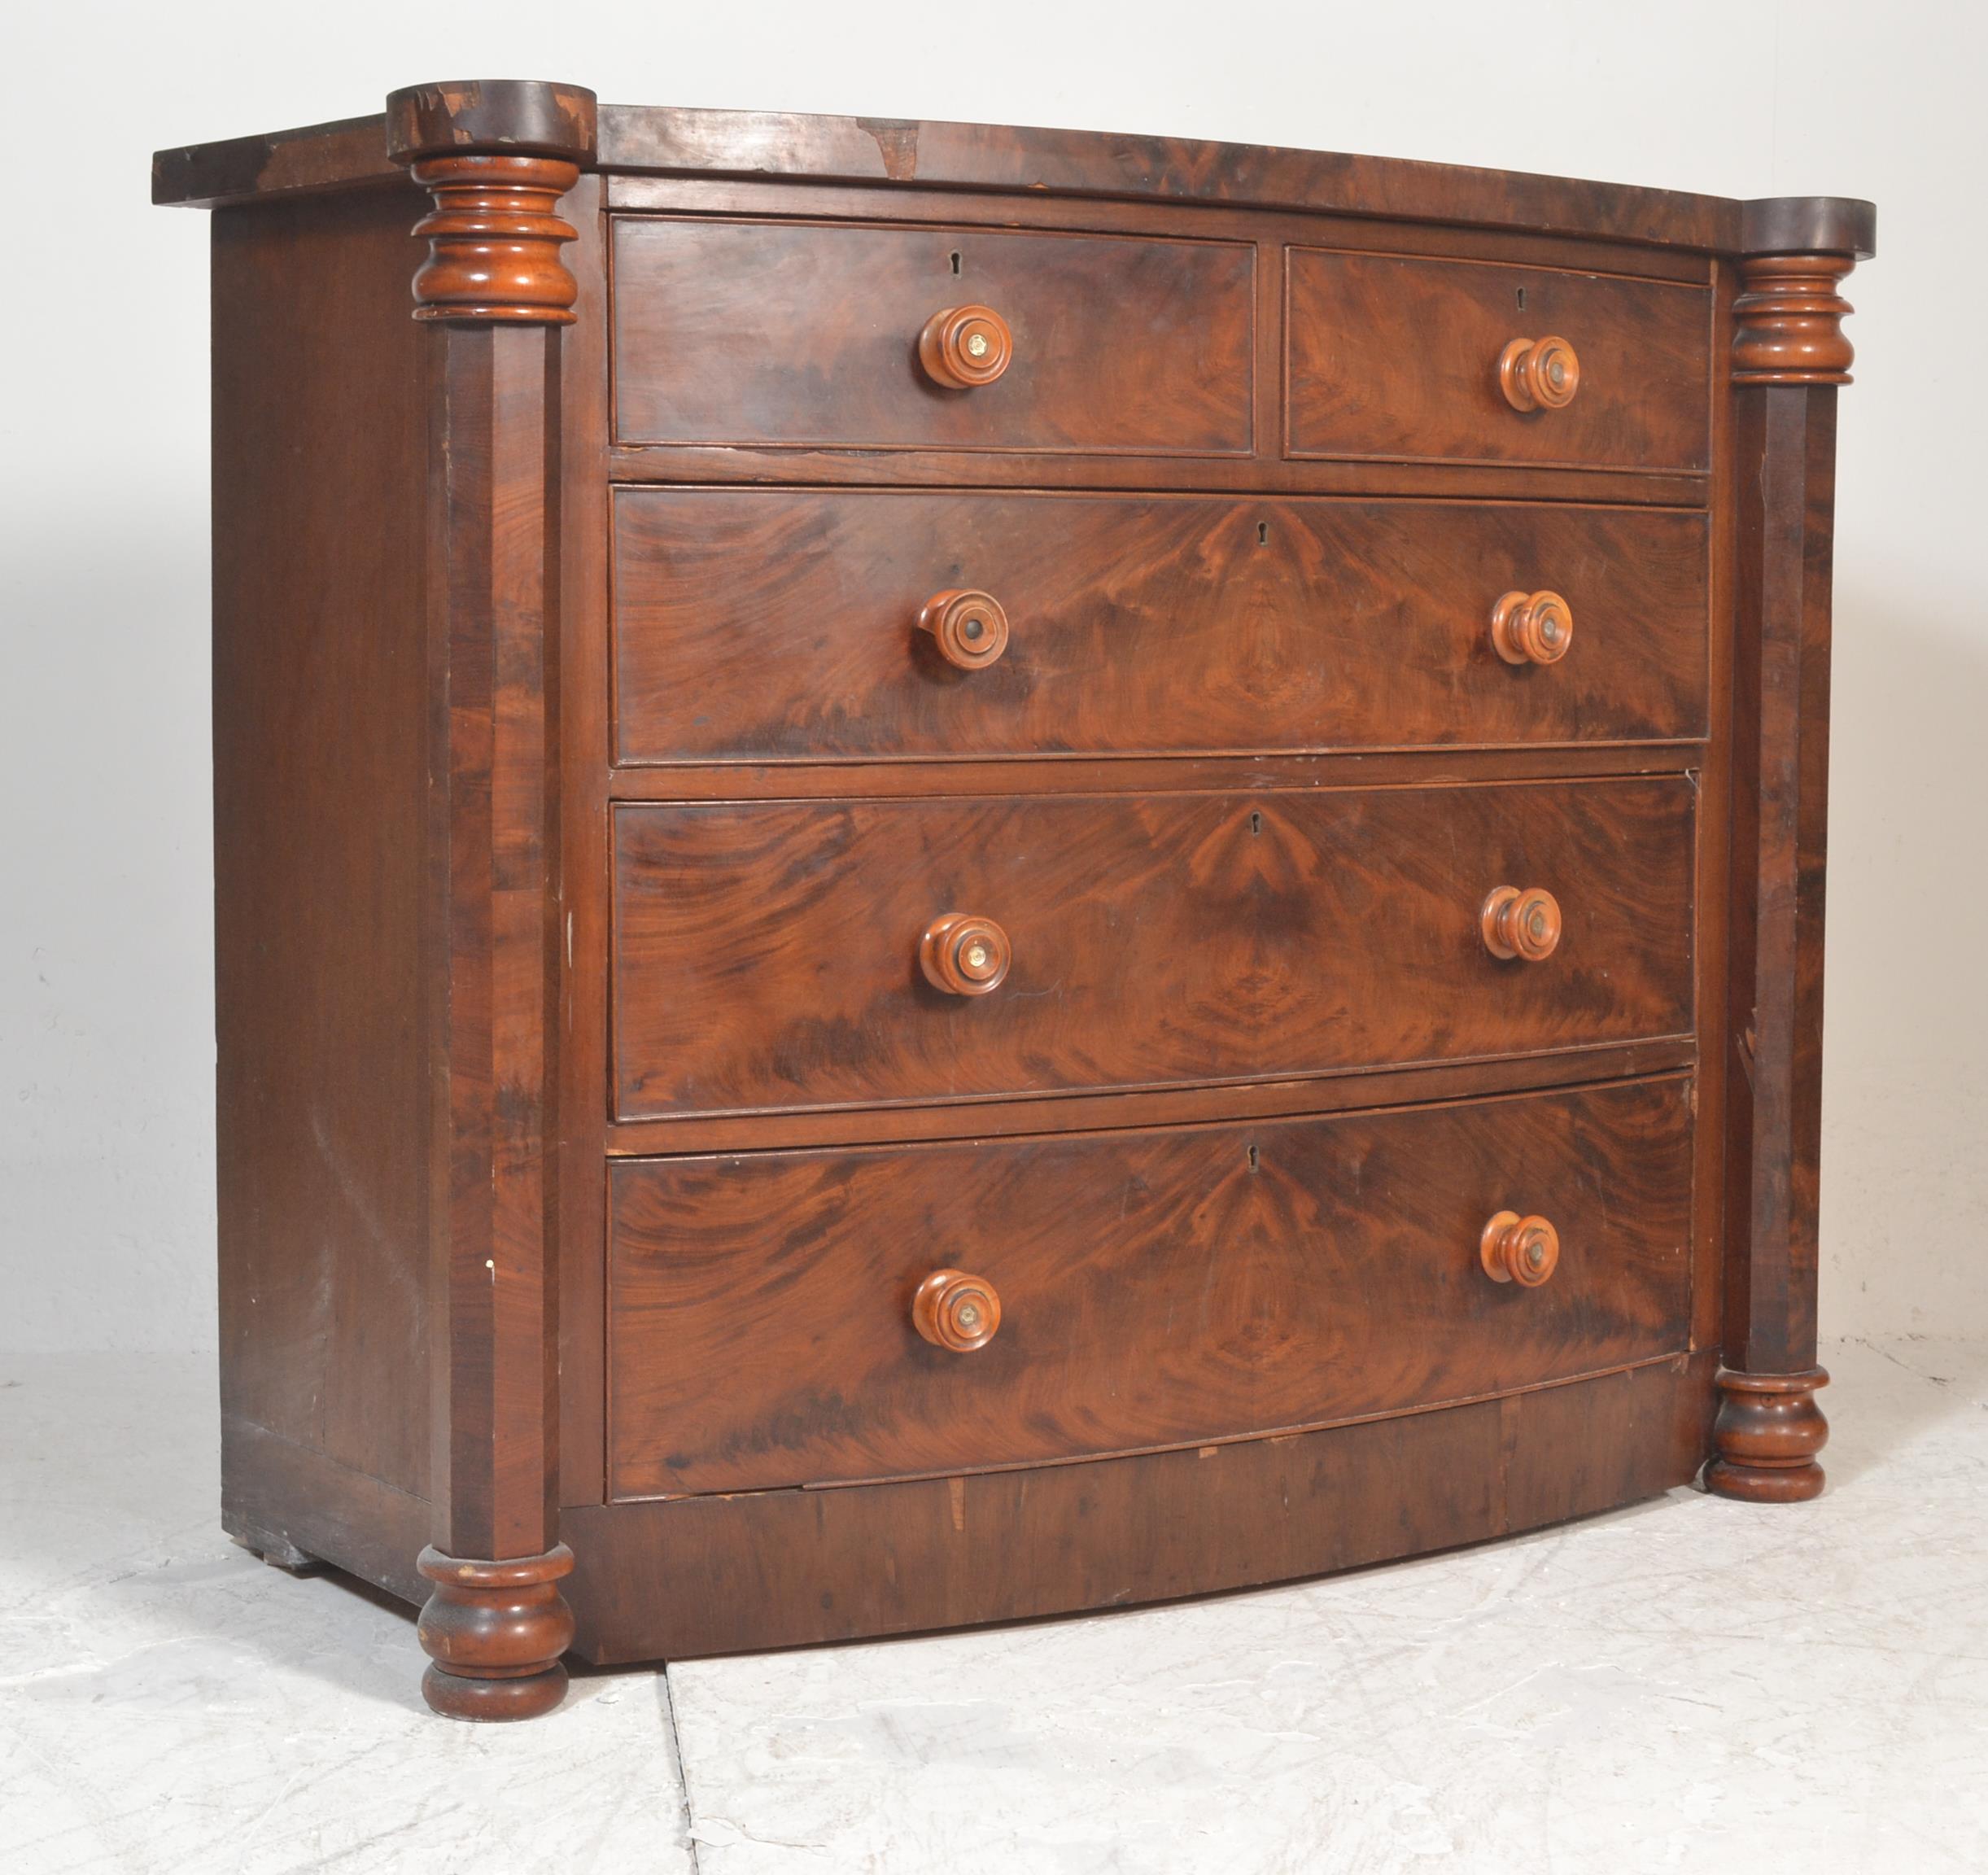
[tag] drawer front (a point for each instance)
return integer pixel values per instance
(799, 336)
(767, 955)
(1165, 1288)
(772, 624)
(1393, 357)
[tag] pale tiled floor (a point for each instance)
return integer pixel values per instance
(1690, 1684)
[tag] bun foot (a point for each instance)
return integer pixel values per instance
(1766, 1437)
(456, 1696)
(495, 1631)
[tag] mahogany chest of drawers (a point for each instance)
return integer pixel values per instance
(965, 873)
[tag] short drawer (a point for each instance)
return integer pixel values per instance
(1395, 357)
(781, 955)
(779, 624)
(792, 334)
(1172, 1287)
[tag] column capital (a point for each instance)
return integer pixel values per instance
(495, 156)
(492, 117)
(1787, 320)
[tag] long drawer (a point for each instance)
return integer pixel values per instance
(797, 334)
(777, 624)
(781, 955)
(1399, 357)
(1169, 1287)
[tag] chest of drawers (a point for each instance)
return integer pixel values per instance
(966, 873)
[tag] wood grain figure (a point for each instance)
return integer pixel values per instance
(765, 954)
(1156, 1288)
(1409, 358)
(1179, 625)
(738, 332)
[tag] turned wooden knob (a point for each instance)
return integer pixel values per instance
(1539, 373)
(964, 955)
(1531, 627)
(956, 1311)
(965, 345)
(1522, 924)
(1522, 1250)
(969, 627)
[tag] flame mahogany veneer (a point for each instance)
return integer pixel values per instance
(761, 949)
(1171, 1286)
(962, 873)
(1139, 625)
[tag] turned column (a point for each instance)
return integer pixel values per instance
(494, 160)
(1788, 356)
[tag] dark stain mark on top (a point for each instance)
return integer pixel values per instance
(898, 141)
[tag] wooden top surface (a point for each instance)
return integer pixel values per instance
(668, 141)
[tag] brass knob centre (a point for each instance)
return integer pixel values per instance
(1522, 1250)
(955, 1311)
(1518, 923)
(968, 626)
(965, 346)
(963, 954)
(1531, 627)
(1539, 373)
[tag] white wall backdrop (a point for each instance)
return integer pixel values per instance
(106, 998)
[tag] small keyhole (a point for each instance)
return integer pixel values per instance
(1253, 1158)
(956, 270)
(1263, 533)
(1256, 822)
(1521, 292)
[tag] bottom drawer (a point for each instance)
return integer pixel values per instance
(1163, 1287)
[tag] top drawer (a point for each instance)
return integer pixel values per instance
(799, 336)
(1399, 358)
